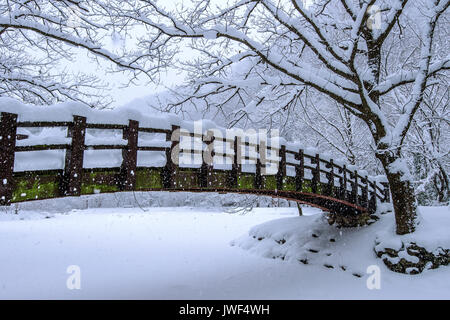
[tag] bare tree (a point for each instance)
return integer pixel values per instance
(428, 146)
(333, 46)
(337, 131)
(38, 37)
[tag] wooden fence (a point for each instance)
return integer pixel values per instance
(75, 180)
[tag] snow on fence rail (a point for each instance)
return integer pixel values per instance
(241, 165)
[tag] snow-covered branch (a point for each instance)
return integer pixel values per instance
(37, 37)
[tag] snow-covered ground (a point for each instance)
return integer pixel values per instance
(188, 253)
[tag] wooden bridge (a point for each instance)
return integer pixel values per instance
(311, 179)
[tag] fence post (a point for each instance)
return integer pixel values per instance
(300, 171)
(386, 192)
(73, 169)
(373, 198)
(316, 175)
(237, 159)
(258, 177)
(281, 168)
(169, 171)
(129, 163)
(366, 192)
(236, 168)
(330, 177)
(355, 189)
(344, 183)
(8, 131)
(207, 161)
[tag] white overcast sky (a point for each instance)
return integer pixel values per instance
(117, 82)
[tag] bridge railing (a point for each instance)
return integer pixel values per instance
(309, 173)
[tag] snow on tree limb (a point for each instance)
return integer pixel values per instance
(35, 36)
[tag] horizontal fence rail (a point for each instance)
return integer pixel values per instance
(312, 176)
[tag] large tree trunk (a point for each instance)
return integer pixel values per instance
(403, 196)
(404, 201)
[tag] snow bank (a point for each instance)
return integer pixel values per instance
(306, 240)
(145, 199)
(311, 240)
(431, 233)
